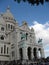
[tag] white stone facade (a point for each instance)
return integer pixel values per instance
(17, 42)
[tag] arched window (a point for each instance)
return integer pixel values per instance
(6, 17)
(7, 50)
(26, 35)
(11, 26)
(8, 26)
(2, 37)
(35, 52)
(4, 49)
(29, 53)
(21, 53)
(1, 49)
(2, 28)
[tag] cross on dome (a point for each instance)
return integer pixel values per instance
(8, 8)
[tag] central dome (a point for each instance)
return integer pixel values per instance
(8, 13)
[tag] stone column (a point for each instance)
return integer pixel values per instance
(17, 54)
(32, 56)
(37, 53)
(25, 56)
(42, 53)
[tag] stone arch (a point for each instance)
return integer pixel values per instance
(29, 53)
(21, 53)
(35, 52)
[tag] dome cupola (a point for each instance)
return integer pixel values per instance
(8, 13)
(8, 16)
(32, 29)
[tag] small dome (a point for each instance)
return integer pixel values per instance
(32, 29)
(2, 20)
(24, 23)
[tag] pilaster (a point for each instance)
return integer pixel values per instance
(25, 53)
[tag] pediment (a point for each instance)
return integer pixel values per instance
(25, 27)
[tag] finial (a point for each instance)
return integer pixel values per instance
(8, 8)
(24, 23)
(32, 29)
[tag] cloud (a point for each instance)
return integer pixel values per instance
(47, 51)
(42, 31)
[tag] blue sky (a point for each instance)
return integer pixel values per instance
(25, 11)
(33, 15)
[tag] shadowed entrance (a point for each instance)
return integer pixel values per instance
(35, 52)
(21, 53)
(29, 53)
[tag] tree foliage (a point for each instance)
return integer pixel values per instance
(32, 2)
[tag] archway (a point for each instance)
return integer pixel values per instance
(35, 52)
(29, 53)
(21, 53)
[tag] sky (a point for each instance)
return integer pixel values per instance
(36, 17)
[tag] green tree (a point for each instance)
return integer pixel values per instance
(32, 2)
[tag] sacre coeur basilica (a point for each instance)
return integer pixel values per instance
(17, 42)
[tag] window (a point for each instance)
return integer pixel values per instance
(4, 49)
(6, 17)
(20, 32)
(9, 18)
(8, 25)
(7, 50)
(1, 49)
(2, 37)
(30, 35)
(8, 42)
(11, 26)
(2, 28)
(26, 35)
